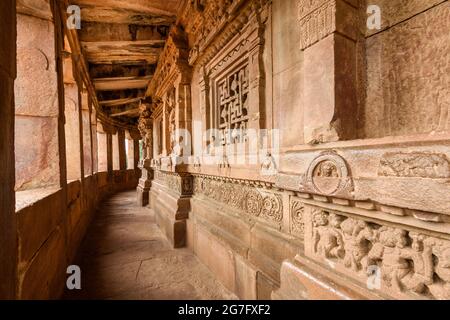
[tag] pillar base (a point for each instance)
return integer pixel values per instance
(145, 184)
(303, 279)
(170, 200)
(143, 196)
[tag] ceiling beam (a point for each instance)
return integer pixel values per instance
(154, 7)
(121, 83)
(94, 31)
(120, 102)
(130, 113)
(118, 16)
(123, 51)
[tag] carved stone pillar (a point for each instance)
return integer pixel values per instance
(328, 31)
(145, 182)
(205, 103)
(256, 74)
(183, 120)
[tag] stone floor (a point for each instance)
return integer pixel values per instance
(125, 256)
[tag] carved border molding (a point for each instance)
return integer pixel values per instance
(254, 201)
(218, 24)
(172, 64)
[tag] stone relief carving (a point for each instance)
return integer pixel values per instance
(415, 164)
(329, 175)
(145, 127)
(180, 183)
(297, 213)
(268, 165)
(232, 105)
(412, 265)
(317, 20)
(250, 199)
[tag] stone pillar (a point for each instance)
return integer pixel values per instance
(72, 130)
(121, 149)
(109, 146)
(102, 149)
(87, 139)
(145, 183)
(8, 242)
(137, 156)
(328, 31)
(110, 131)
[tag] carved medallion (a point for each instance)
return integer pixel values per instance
(329, 175)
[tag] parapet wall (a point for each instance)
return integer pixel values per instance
(52, 226)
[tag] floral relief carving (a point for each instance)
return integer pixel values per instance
(181, 184)
(297, 216)
(250, 199)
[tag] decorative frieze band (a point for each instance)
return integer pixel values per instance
(317, 20)
(404, 263)
(257, 202)
(320, 18)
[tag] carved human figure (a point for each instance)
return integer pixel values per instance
(327, 169)
(440, 288)
(402, 267)
(327, 238)
(177, 150)
(357, 235)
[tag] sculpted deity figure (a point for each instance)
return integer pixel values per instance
(357, 235)
(440, 288)
(327, 238)
(403, 268)
(177, 150)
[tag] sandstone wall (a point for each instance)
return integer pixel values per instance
(407, 70)
(36, 96)
(50, 230)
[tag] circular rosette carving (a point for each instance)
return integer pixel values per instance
(273, 208)
(328, 174)
(254, 202)
(297, 213)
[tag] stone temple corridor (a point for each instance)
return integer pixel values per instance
(224, 150)
(125, 256)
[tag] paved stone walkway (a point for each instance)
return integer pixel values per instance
(125, 256)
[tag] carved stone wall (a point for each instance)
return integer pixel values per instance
(404, 95)
(369, 214)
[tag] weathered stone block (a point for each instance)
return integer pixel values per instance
(217, 257)
(36, 223)
(44, 276)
